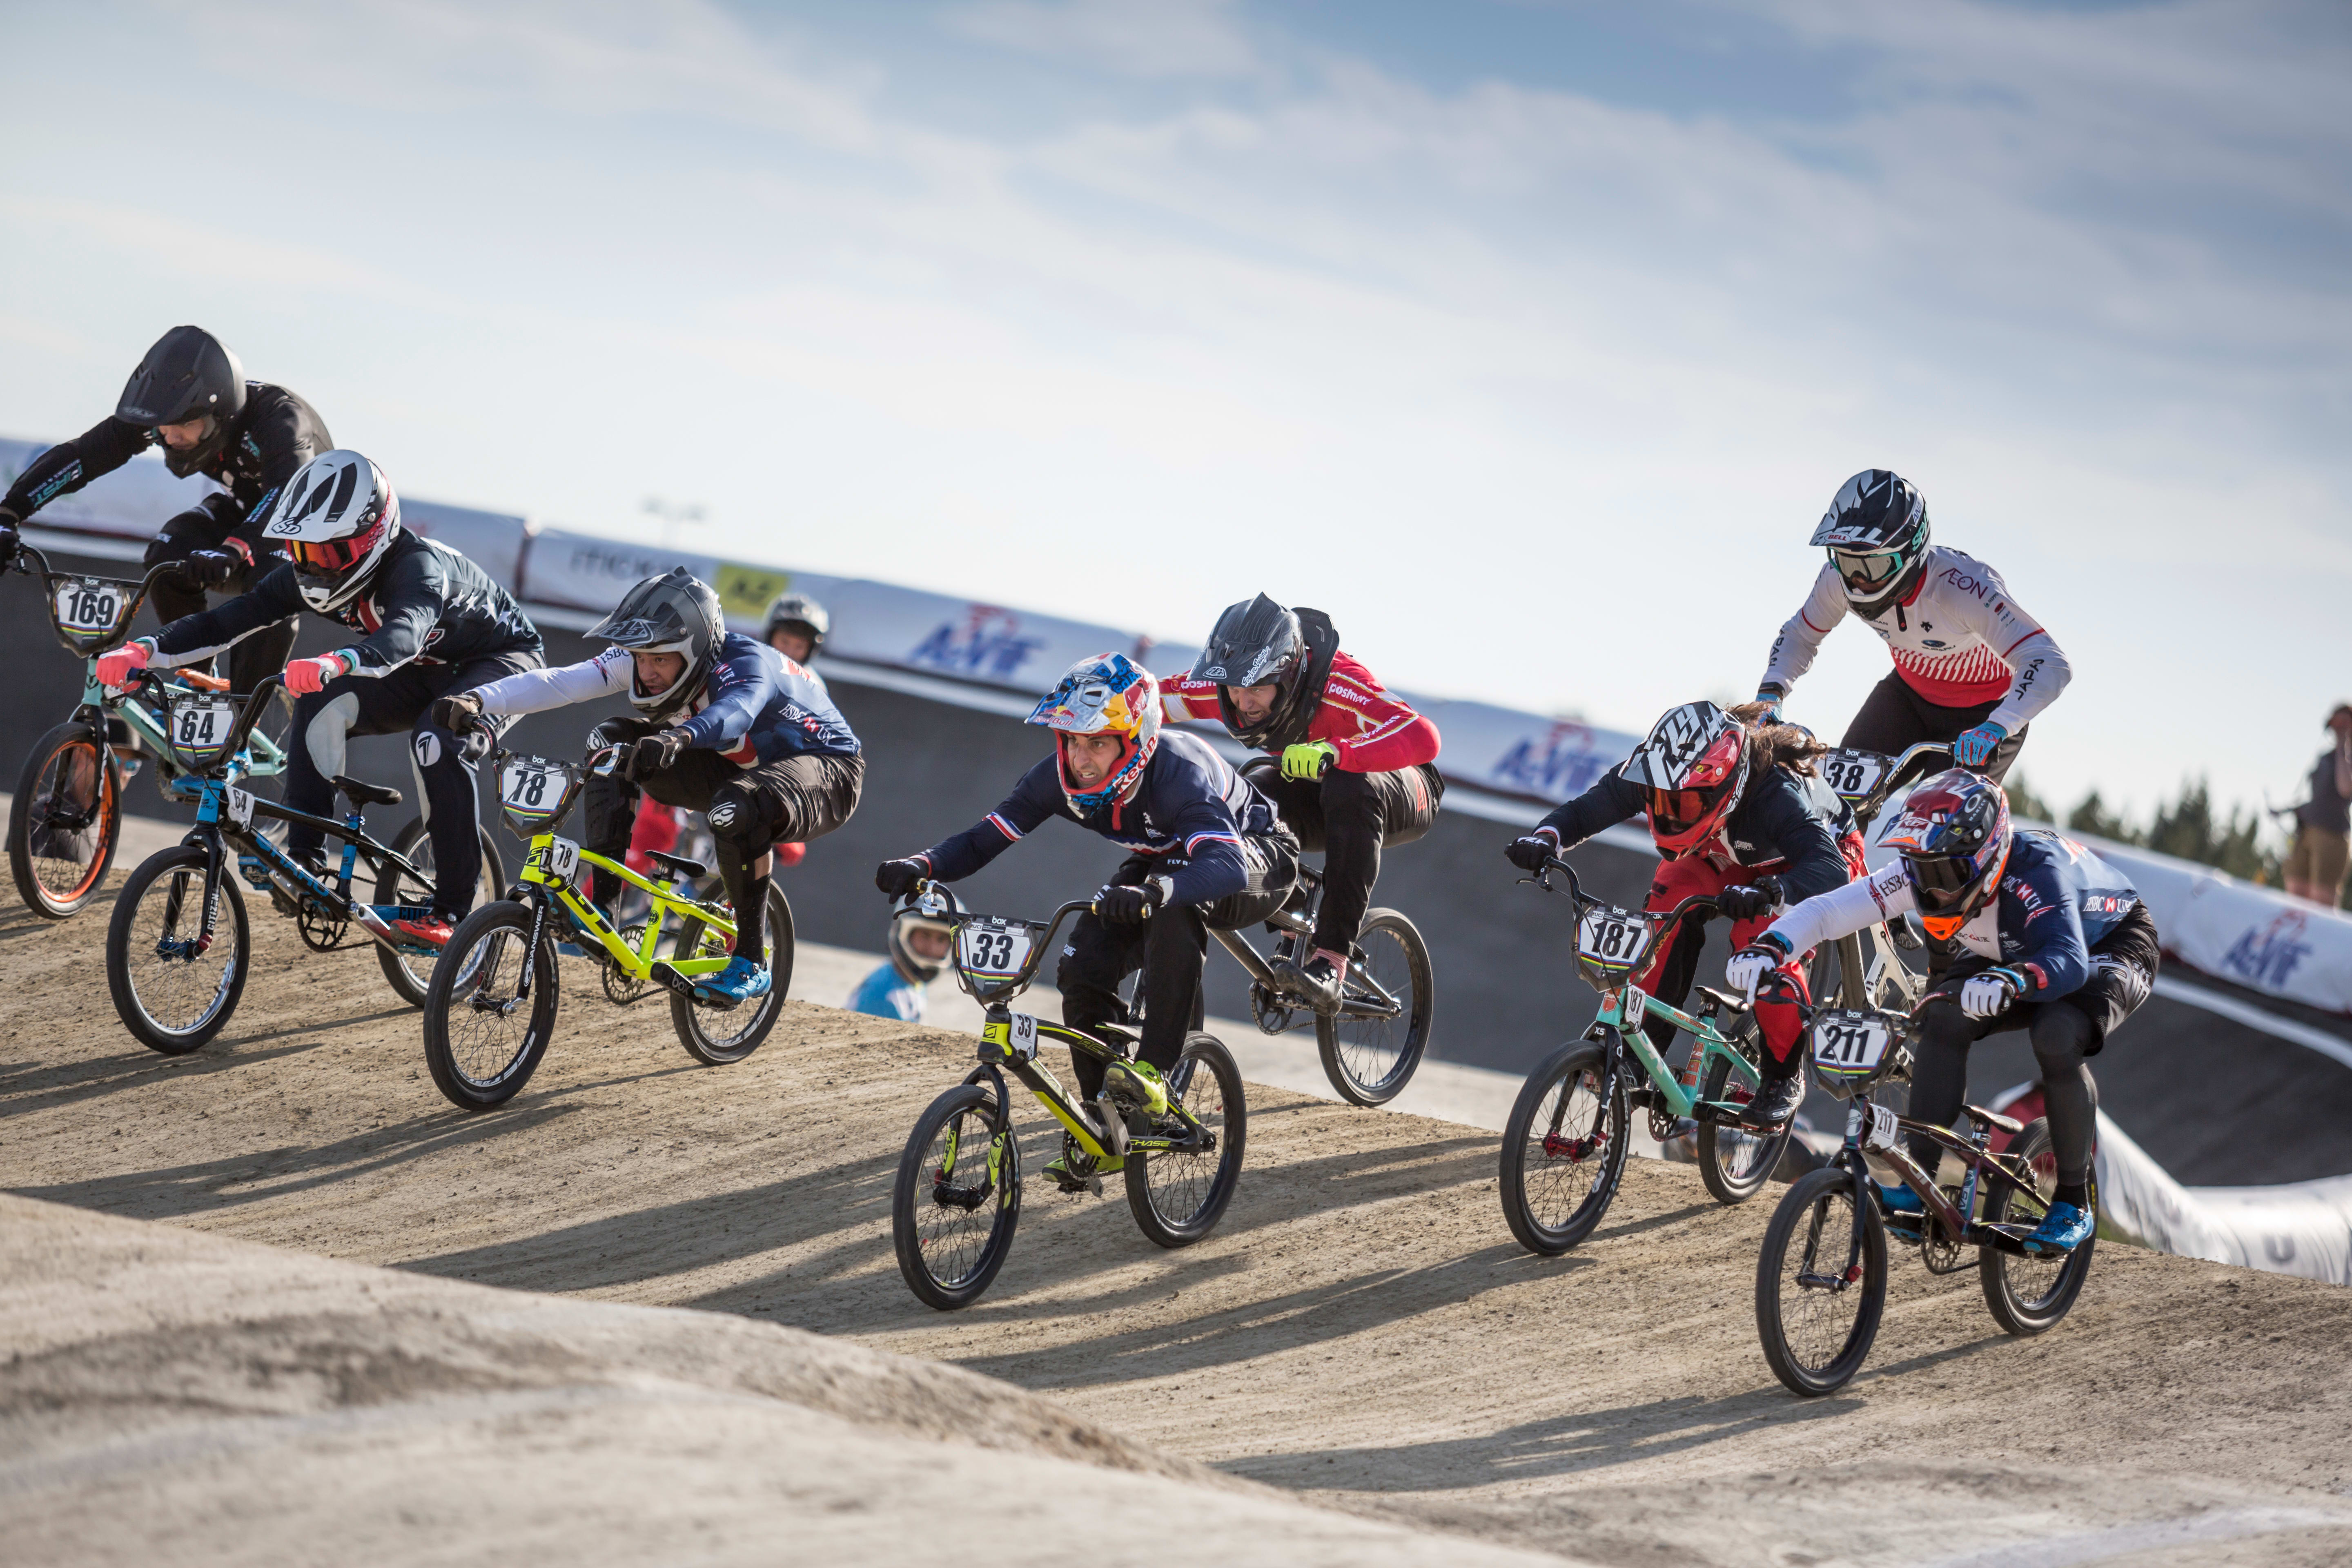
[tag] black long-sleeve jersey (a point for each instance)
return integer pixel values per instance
(267, 443)
(1786, 823)
(427, 603)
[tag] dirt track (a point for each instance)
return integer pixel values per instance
(1361, 1330)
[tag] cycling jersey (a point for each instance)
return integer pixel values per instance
(2057, 900)
(426, 603)
(1191, 809)
(1373, 732)
(1959, 639)
(757, 707)
(1787, 823)
(268, 441)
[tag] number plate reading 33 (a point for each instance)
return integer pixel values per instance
(995, 950)
(1612, 938)
(1850, 1045)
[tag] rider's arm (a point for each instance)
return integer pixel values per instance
(193, 638)
(740, 688)
(1037, 797)
(1843, 909)
(1183, 697)
(69, 465)
(2038, 670)
(1613, 798)
(1800, 638)
(1373, 729)
(537, 690)
(1211, 866)
(2057, 956)
(1809, 844)
(409, 596)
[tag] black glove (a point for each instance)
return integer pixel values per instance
(896, 879)
(1529, 853)
(458, 714)
(656, 753)
(208, 568)
(1125, 906)
(8, 525)
(1743, 903)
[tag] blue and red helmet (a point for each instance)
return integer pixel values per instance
(1954, 837)
(1106, 694)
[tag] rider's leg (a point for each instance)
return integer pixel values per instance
(1894, 718)
(789, 801)
(255, 659)
(180, 538)
(1675, 963)
(2068, 1032)
(443, 763)
(323, 721)
(608, 807)
(1361, 813)
(1939, 1063)
(1099, 958)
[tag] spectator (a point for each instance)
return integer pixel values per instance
(2315, 865)
(918, 946)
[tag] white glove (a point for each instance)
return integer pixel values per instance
(1747, 967)
(1983, 995)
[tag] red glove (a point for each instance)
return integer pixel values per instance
(304, 676)
(115, 665)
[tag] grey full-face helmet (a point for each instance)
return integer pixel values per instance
(674, 613)
(799, 613)
(1876, 533)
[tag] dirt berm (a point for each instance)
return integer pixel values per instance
(1361, 1330)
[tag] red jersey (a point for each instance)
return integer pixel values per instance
(1373, 732)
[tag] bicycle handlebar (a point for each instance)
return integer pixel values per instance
(999, 989)
(1582, 899)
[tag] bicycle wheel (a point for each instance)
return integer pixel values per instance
(2029, 1295)
(173, 989)
(1369, 1059)
(410, 972)
(64, 823)
(1734, 1162)
(1178, 1197)
(956, 1200)
(482, 1039)
(1816, 1312)
(1563, 1149)
(718, 1035)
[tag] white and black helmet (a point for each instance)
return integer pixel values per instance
(1876, 534)
(799, 613)
(674, 613)
(335, 519)
(912, 967)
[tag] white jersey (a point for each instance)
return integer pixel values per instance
(1958, 641)
(606, 675)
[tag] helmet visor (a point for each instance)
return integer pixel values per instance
(326, 560)
(1673, 812)
(1941, 882)
(1869, 571)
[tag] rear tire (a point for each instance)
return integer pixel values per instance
(1178, 1198)
(2029, 1295)
(1817, 1335)
(1733, 1162)
(1370, 1060)
(70, 758)
(411, 973)
(170, 1000)
(717, 1035)
(478, 1054)
(952, 1226)
(1563, 1149)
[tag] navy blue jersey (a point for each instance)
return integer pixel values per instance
(1189, 811)
(759, 706)
(1787, 823)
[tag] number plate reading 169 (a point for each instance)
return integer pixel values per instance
(993, 949)
(88, 605)
(1612, 938)
(1848, 1043)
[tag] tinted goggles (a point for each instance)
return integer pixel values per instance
(327, 558)
(1867, 570)
(1680, 810)
(1940, 882)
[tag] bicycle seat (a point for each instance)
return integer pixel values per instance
(362, 793)
(690, 869)
(1723, 999)
(2007, 1124)
(203, 682)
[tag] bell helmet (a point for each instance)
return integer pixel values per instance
(912, 967)
(1256, 643)
(674, 613)
(1954, 837)
(799, 613)
(1106, 694)
(1693, 769)
(189, 374)
(1876, 534)
(335, 519)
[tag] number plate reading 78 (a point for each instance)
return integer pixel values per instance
(993, 948)
(523, 787)
(560, 860)
(1611, 937)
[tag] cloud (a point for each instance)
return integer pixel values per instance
(1135, 38)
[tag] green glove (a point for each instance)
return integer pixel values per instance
(1308, 759)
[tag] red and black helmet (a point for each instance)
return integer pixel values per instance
(1693, 769)
(1954, 837)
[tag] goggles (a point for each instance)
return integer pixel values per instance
(1870, 569)
(330, 559)
(1941, 883)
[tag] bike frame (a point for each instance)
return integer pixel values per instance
(1361, 995)
(1861, 966)
(637, 963)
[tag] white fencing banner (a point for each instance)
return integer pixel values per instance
(490, 540)
(1523, 754)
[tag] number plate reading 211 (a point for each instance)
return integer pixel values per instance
(1848, 1044)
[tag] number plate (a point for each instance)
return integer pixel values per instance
(558, 859)
(1871, 1125)
(240, 806)
(201, 727)
(90, 604)
(1853, 775)
(1848, 1043)
(531, 790)
(1612, 939)
(992, 949)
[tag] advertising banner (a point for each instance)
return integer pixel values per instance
(130, 503)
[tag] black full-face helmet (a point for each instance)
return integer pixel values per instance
(1876, 534)
(189, 374)
(1256, 643)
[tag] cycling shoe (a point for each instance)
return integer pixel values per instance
(2063, 1229)
(1137, 1084)
(1900, 1200)
(741, 980)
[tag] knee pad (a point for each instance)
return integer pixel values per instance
(327, 728)
(739, 818)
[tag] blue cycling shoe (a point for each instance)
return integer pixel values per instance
(2063, 1229)
(1900, 1199)
(741, 980)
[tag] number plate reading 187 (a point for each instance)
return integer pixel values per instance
(1611, 937)
(993, 949)
(200, 728)
(1850, 1045)
(88, 605)
(1853, 775)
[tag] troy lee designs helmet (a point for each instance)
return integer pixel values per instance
(1256, 643)
(1107, 694)
(674, 613)
(1954, 837)
(188, 374)
(336, 519)
(799, 613)
(1876, 534)
(1693, 769)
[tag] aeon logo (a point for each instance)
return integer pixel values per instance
(2265, 958)
(989, 644)
(1559, 764)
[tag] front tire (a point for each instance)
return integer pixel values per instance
(717, 1035)
(1563, 1149)
(1178, 1197)
(957, 1199)
(64, 823)
(1816, 1313)
(2029, 1295)
(482, 1042)
(1370, 1060)
(1734, 1162)
(410, 972)
(171, 995)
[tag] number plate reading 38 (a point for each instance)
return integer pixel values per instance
(201, 728)
(994, 949)
(88, 605)
(1612, 938)
(1850, 1045)
(1853, 775)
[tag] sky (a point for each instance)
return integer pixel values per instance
(1528, 338)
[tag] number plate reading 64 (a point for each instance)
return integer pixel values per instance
(1850, 1045)
(993, 949)
(200, 728)
(1612, 938)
